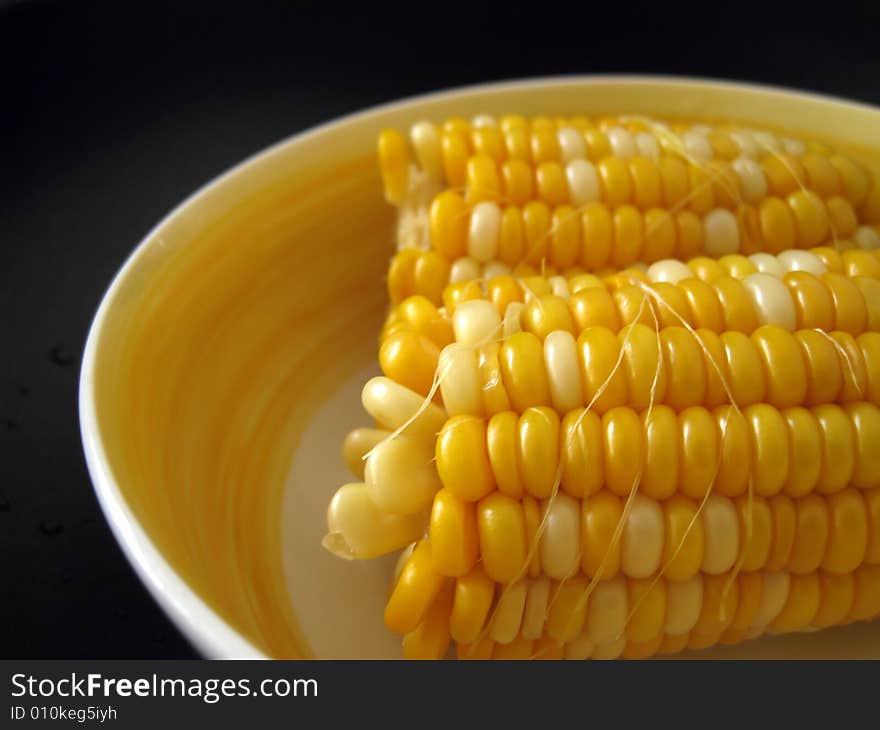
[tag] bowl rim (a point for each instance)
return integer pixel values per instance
(210, 634)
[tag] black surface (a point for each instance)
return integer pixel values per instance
(111, 113)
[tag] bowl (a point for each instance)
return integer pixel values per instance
(224, 365)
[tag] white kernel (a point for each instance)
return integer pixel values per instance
(766, 263)
(426, 142)
(560, 543)
(508, 613)
(460, 386)
(571, 144)
(464, 269)
(669, 270)
(866, 238)
(746, 143)
(392, 405)
(793, 146)
(641, 546)
(358, 529)
(622, 143)
(484, 120)
(476, 322)
(563, 371)
(721, 530)
(484, 231)
(720, 233)
(799, 260)
(647, 145)
(559, 286)
(697, 146)
(535, 613)
(495, 268)
(772, 300)
(767, 142)
(583, 182)
(400, 475)
(753, 183)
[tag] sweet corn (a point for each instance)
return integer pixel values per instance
(631, 390)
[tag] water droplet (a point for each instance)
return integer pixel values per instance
(51, 527)
(61, 356)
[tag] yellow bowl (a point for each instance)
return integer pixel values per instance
(224, 364)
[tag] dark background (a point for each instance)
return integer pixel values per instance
(111, 113)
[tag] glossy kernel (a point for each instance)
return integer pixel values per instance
(418, 585)
(615, 180)
(449, 224)
(683, 362)
(734, 441)
(409, 359)
(865, 419)
(581, 446)
(502, 529)
(851, 315)
(813, 303)
(823, 367)
(736, 305)
(538, 450)
(600, 514)
(784, 371)
(805, 451)
(523, 371)
(623, 445)
(770, 448)
(660, 475)
(837, 448)
(462, 458)
(628, 236)
(598, 352)
(551, 183)
(471, 604)
(777, 225)
(453, 534)
(683, 547)
(743, 369)
(698, 451)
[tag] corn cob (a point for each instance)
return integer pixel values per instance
(622, 160)
(794, 289)
(595, 234)
(623, 461)
(494, 496)
(596, 239)
(403, 283)
(625, 208)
